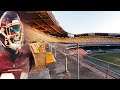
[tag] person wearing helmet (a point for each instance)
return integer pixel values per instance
(15, 55)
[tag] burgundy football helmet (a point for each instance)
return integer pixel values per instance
(11, 32)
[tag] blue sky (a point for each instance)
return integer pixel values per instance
(78, 22)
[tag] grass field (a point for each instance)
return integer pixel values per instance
(112, 58)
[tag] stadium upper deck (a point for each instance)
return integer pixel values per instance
(34, 36)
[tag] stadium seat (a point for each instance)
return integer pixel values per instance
(50, 58)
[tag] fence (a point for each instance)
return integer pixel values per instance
(53, 47)
(103, 66)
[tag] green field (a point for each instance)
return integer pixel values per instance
(112, 58)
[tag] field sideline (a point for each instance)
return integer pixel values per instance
(109, 57)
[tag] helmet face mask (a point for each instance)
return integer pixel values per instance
(15, 28)
(11, 31)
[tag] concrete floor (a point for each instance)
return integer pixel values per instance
(57, 71)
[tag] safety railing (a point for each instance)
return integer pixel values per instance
(55, 47)
(101, 65)
(107, 68)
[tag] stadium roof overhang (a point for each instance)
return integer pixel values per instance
(44, 21)
(98, 34)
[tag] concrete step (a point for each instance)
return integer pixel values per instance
(41, 74)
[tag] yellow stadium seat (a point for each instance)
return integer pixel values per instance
(50, 58)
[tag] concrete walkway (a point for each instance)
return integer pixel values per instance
(57, 70)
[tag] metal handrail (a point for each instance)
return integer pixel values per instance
(105, 68)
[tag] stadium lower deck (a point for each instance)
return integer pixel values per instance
(57, 69)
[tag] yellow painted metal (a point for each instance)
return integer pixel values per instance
(39, 57)
(50, 58)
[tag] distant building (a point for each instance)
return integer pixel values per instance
(70, 35)
(91, 34)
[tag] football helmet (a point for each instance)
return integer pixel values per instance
(11, 32)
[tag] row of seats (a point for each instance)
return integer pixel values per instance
(36, 36)
(90, 39)
(32, 36)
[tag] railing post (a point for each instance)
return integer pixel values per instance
(78, 59)
(107, 71)
(66, 63)
(55, 49)
(51, 48)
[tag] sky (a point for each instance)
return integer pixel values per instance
(78, 22)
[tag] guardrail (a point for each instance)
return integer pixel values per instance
(53, 46)
(104, 67)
